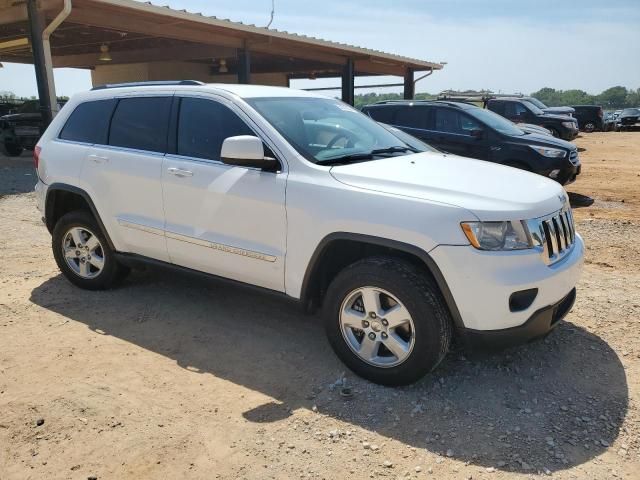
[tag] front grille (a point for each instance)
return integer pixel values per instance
(573, 157)
(555, 235)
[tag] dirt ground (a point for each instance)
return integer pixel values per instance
(171, 376)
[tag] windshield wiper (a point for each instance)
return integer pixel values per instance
(394, 150)
(354, 157)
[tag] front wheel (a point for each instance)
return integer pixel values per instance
(554, 132)
(387, 321)
(83, 253)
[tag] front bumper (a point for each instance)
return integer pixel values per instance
(481, 283)
(569, 133)
(538, 325)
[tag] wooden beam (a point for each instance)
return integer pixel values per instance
(10, 13)
(178, 53)
(13, 45)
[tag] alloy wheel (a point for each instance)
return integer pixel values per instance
(83, 252)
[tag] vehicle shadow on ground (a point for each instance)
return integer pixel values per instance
(550, 405)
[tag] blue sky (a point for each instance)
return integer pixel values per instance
(501, 45)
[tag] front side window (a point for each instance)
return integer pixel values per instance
(141, 123)
(89, 122)
(453, 121)
(514, 109)
(325, 130)
(203, 125)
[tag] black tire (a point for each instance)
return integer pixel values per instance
(554, 131)
(12, 150)
(112, 272)
(419, 295)
(589, 127)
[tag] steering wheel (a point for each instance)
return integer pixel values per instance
(339, 136)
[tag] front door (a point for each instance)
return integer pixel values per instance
(221, 219)
(458, 133)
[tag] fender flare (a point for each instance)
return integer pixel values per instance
(428, 262)
(50, 205)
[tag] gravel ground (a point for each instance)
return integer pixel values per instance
(171, 376)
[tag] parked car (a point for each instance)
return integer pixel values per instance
(609, 122)
(629, 117)
(21, 130)
(470, 131)
(305, 196)
(590, 117)
(569, 111)
(523, 111)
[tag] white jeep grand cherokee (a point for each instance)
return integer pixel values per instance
(401, 245)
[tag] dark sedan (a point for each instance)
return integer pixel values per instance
(629, 118)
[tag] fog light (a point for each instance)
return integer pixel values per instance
(554, 173)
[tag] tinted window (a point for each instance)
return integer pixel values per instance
(413, 117)
(514, 109)
(89, 122)
(497, 107)
(203, 125)
(454, 121)
(141, 123)
(381, 114)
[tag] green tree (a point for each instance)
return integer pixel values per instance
(614, 97)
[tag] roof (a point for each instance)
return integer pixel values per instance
(138, 32)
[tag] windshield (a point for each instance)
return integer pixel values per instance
(495, 121)
(325, 130)
(536, 102)
(532, 107)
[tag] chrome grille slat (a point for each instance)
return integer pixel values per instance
(554, 235)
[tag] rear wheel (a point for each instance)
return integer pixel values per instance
(589, 127)
(387, 321)
(83, 253)
(12, 149)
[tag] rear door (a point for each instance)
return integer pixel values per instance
(125, 174)
(222, 219)
(453, 133)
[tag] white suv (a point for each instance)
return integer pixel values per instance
(402, 246)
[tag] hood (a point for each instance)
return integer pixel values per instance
(559, 110)
(488, 190)
(555, 116)
(547, 140)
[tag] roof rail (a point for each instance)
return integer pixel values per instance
(473, 96)
(158, 83)
(401, 101)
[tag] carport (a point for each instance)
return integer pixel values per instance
(125, 40)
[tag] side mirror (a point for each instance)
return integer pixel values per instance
(477, 133)
(246, 151)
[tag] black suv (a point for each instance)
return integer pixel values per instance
(523, 111)
(590, 117)
(628, 118)
(469, 131)
(22, 129)
(569, 111)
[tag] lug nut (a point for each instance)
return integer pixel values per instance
(385, 322)
(384, 335)
(365, 324)
(372, 336)
(372, 314)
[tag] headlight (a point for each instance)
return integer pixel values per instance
(549, 152)
(568, 124)
(497, 235)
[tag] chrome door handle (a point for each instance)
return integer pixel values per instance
(178, 172)
(98, 158)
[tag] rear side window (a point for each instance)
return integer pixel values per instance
(412, 117)
(381, 114)
(497, 107)
(141, 123)
(89, 122)
(203, 125)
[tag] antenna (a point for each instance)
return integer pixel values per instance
(273, 11)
